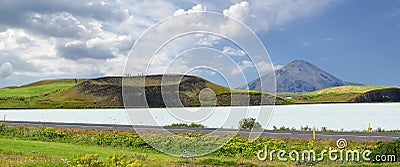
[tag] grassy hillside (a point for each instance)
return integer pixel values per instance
(336, 94)
(37, 88)
(32, 95)
(106, 92)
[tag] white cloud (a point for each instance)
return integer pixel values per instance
(275, 13)
(208, 41)
(233, 52)
(244, 65)
(56, 24)
(264, 67)
(196, 8)
(92, 38)
(240, 11)
(6, 69)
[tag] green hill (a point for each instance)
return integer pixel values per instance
(107, 92)
(31, 95)
(337, 94)
(37, 88)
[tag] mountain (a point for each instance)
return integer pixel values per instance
(181, 90)
(297, 76)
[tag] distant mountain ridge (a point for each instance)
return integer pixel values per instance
(297, 76)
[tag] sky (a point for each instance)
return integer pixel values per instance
(355, 40)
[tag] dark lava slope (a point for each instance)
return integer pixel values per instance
(178, 90)
(382, 95)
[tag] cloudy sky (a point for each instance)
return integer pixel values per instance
(355, 40)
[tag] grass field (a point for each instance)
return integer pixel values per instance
(37, 89)
(42, 94)
(21, 146)
(68, 151)
(335, 94)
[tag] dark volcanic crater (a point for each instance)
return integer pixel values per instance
(177, 91)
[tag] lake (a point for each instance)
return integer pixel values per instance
(333, 116)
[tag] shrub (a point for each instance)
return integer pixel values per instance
(388, 148)
(212, 161)
(249, 123)
(51, 134)
(192, 125)
(123, 160)
(2, 128)
(89, 160)
(92, 160)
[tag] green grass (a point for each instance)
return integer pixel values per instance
(287, 94)
(254, 92)
(335, 94)
(346, 90)
(55, 149)
(21, 146)
(25, 148)
(37, 89)
(42, 94)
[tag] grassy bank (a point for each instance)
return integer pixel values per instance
(42, 94)
(338, 94)
(21, 146)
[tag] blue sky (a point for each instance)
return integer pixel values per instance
(355, 40)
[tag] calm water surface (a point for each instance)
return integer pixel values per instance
(332, 116)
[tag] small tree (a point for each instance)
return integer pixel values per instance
(249, 123)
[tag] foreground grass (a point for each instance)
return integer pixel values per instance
(40, 153)
(60, 153)
(21, 146)
(18, 152)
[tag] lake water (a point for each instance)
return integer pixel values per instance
(332, 116)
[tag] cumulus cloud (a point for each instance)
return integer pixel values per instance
(56, 25)
(20, 10)
(240, 11)
(233, 52)
(6, 69)
(196, 8)
(210, 40)
(66, 38)
(244, 65)
(276, 13)
(77, 50)
(265, 67)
